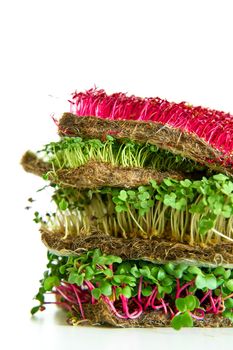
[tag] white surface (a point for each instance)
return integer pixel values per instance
(179, 50)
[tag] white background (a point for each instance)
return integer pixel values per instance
(179, 50)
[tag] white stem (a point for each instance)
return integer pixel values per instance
(222, 235)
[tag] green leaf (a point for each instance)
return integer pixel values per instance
(76, 278)
(219, 271)
(118, 279)
(109, 138)
(108, 272)
(182, 266)
(227, 274)
(228, 314)
(178, 273)
(161, 274)
(89, 273)
(228, 303)
(118, 292)
(40, 296)
(186, 183)
(143, 211)
(154, 184)
(206, 223)
(45, 176)
(154, 271)
(62, 269)
(167, 281)
(105, 288)
(227, 188)
(35, 309)
(168, 182)
(169, 267)
(131, 194)
(145, 271)
(195, 270)
(150, 203)
(211, 282)
(170, 199)
(126, 291)
(96, 293)
(167, 289)
(146, 291)
(144, 204)
(142, 189)
(108, 260)
(51, 282)
(37, 218)
(96, 255)
(229, 285)
(124, 268)
(200, 282)
(181, 304)
(144, 196)
(135, 272)
(197, 208)
(191, 302)
(120, 208)
(180, 204)
(182, 320)
(227, 211)
(63, 204)
(220, 177)
(220, 282)
(197, 302)
(123, 195)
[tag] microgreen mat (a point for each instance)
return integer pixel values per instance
(130, 288)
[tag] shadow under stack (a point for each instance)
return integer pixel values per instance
(142, 233)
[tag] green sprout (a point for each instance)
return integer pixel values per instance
(72, 152)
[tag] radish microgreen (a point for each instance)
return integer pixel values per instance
(143, 285)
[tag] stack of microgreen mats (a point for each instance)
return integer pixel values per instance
(142, 233)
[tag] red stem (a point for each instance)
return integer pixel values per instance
(179, 289)
(65, 296)
(202, 312)
(79, 301)
(140, 290)
(154, 293)
(91, 287)
(205, 296)
(125, 308)
(164, 305)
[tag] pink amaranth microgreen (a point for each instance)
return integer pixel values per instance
(214, 127)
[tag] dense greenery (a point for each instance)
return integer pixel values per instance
(130, 288)
(194, 211)
(72, 152)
